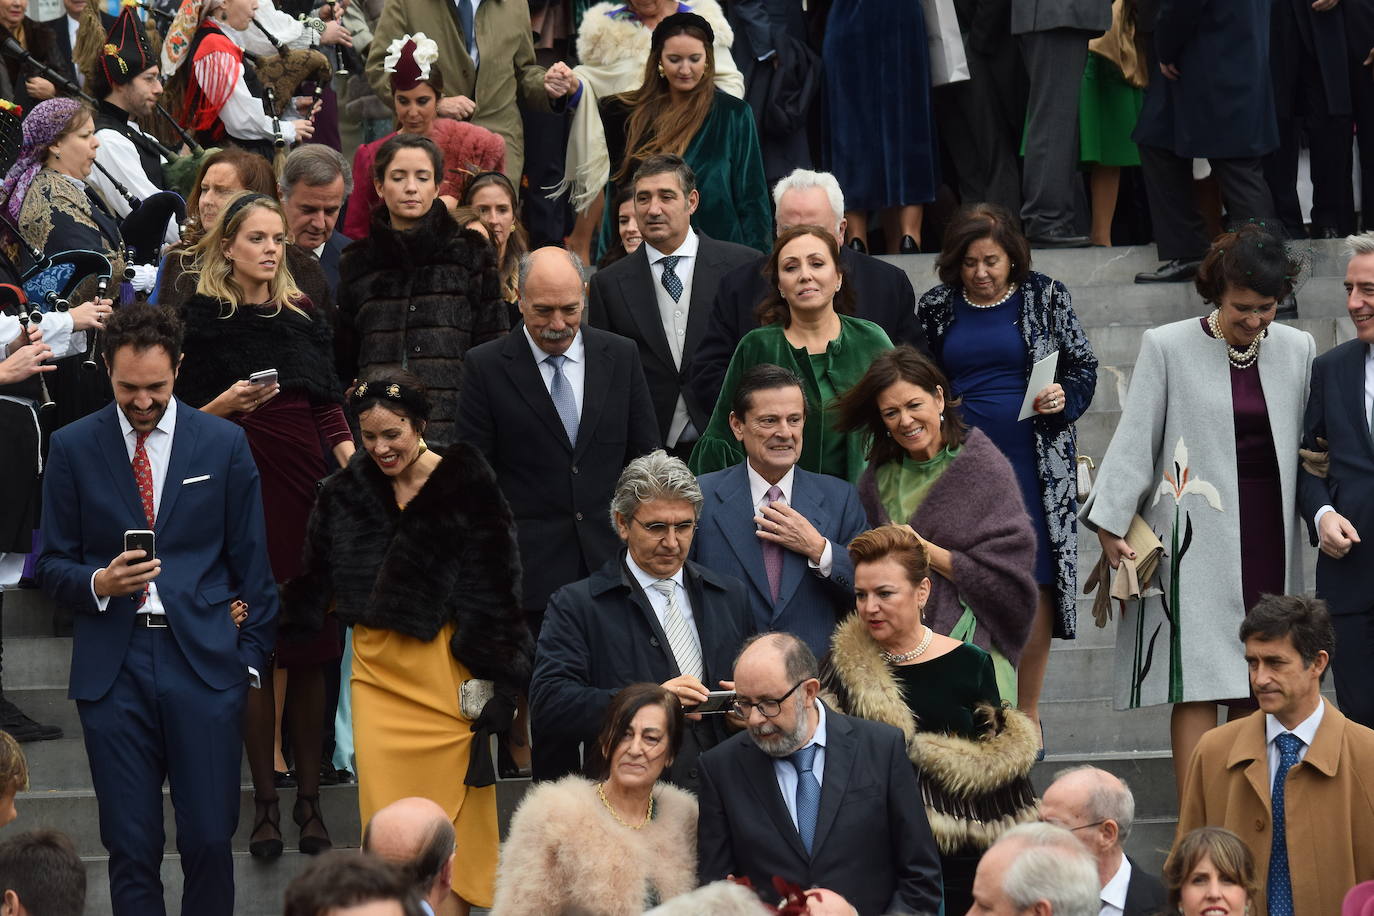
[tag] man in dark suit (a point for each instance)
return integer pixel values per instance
(647, 615)
(1339, 506)
(882, 292)
(788, 546)
(1036, 868)
(660, 296)
(314, 184)
(159, 671)
(811, 796)
(1098, 809)
(64, 29)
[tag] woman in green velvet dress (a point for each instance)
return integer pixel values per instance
(679, 110)
(807, 327)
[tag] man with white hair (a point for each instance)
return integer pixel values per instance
(1036, 870)
(1098, 809)
(882, 292)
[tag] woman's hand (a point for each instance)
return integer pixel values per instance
(559, 80)
(940, 559)
(238, 612)
(457, 106)
(1050, 399)
(336, 34)
(1114, 547)
(39, 89)
(306, 106)
(242, 397)
(304, 130)
(90, 315)
(26, 361)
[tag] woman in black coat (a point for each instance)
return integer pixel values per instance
(419, 291)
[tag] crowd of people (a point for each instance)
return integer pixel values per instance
(748, 555)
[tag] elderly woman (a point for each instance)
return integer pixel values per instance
(888, 665)
(953, 486)
(415, 549)
(616, 846)
(809, 328)
(989, 322)
(1207, 452)
(416, 88)
(612, 43)
(1211, 872)
(417, 291)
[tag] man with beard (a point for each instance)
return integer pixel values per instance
(841, 803)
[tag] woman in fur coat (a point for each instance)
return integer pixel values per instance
(887, 664)
(414, 548)
(616, 847)
(418, 291)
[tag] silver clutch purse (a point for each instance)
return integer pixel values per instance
(473, 695)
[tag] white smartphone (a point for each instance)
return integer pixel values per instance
(265, 377)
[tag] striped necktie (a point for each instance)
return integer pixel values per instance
(679, 633)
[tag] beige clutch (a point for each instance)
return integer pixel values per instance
(1131, 578)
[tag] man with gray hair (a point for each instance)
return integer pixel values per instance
(882, 292)
(314, 184)
(415, 835)
(1098, 809)
(649, 614)
(1036, 870)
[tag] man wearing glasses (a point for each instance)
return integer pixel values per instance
(648, 614)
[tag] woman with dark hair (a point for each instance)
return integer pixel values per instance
(959, 494)
(1206, 451)
(414, 548)
(1210, 871)
(20, 81)
(989, 322)
(807, 326)
(417, 291)
(628, 236)
(493, 196)
(615, 847)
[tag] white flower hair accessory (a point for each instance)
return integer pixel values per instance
(425, 54)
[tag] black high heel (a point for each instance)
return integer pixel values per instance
(269, 815)
(858, 245)
(908, 246)
(311, 845)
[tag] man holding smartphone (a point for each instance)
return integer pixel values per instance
(160, 672)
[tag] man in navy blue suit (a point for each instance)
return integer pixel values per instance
(779, 529)
(160, 672)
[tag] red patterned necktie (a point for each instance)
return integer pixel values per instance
(143, 476)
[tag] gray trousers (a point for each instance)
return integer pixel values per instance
(1054, 63)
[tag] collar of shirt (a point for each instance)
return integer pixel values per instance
(758, 487)
(574, 353)
(688, 248)
(73, 24)
(1306, 730)
(81, 185)
(167, 424)
(1114, 891)
(647, 581)
(818, 738)
(319, 252)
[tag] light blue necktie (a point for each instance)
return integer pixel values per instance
(465, 19)
(1280, 889)
(808, 793)
(563, 400)
(670, 280)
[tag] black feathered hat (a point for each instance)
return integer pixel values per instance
(126, 53)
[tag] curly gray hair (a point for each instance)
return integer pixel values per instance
(656, 475)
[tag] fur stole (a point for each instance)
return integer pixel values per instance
(434, 239)
(973, 790)
(220, 351)
(974, 511)
(606, 39)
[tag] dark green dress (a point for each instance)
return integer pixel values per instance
(942, 692)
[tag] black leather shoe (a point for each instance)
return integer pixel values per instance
(858, 245)
(1059, 240)
(1288, 308)
(22, 728)
(1179, 270)
(908, 246)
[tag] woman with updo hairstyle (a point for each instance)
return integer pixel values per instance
(807, 325)
(1206, 453)
(887, 664)
(1210, 870)
(414, 548)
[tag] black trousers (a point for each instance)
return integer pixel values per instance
(1351, 672)
(1359, 38)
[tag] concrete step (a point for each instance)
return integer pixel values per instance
(1089, 725)
(28, 612)
(37, 662)
(1149, 774)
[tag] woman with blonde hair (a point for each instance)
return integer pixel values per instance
(257, 354)
(1211, 871)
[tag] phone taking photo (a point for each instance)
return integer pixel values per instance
(717, 702)
(141, 539)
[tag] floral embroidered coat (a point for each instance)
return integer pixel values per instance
(1173, 460)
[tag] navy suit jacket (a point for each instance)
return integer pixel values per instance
(808, 606)
(1145, 894)
(210, 537)
(872, 844)
(1336, 413)
(329, 259)
(62, 43)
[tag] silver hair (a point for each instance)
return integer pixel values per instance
(1051, 865)
(1109, 799)
(805, 180)
(656, 475)
(1356, 245)
(527, 260)
(314, 164)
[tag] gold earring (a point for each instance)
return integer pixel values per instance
(661, 74)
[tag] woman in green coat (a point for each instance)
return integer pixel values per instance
(807, 327)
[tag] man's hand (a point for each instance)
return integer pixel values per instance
(1321, 6)
(559, 80)
(822, 902)
(689, 692)
(25, 362)
(1169, 70)
(457, 106)
(732, 719)
(1336, 535)
(335, 34)
(127, 574)
(39, 88)
(783, 525)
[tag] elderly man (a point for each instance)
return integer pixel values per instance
(416, 836)
(780, 529)
(882, 292)
(1098, 809)
(649, 614)
(1036, 870)
(812, 796)
(314, 183)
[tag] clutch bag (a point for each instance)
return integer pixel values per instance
(473, 695)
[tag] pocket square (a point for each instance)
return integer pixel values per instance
(195, 479)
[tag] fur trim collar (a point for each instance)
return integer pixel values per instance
(435, 239)
(605, 39)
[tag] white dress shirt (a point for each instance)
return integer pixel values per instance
(758, 491)
(73, 24)
(1306, 732)
(574, 367)
(786, 773)
(674, 316)
(242, 113)
(1368, 413)
(293, 33)
(1113, 895)
(659, 601)
(119, 156)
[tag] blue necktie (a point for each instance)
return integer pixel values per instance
(670, 280)
(1280, 889)
(808, 794)
(465, 19)
(563, 400)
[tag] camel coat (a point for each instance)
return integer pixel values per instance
(1328, 797)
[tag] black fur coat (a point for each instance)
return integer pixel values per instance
(419, 299)
(450, 556)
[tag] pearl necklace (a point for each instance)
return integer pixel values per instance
(648, 816)
(992, 305)
(1241, 359)
(914, 653)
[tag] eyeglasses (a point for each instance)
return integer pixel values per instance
(660, 529)
(1079, 827)
(768, 708)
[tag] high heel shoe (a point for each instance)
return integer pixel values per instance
(268, 815)
(310, 845)
(908, 246)
(858, 245)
